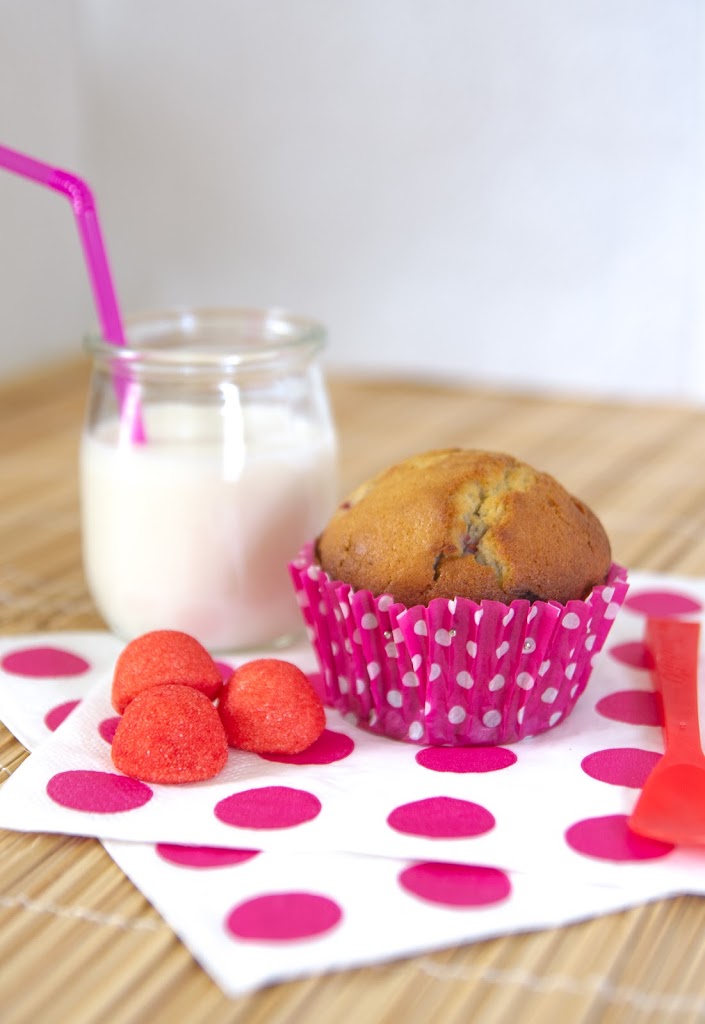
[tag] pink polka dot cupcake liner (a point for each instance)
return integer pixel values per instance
(455, 673)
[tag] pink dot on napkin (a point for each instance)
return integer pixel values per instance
(268, 807)
(636, 654)
(97, 792)
(44, 663)
(203, 856)
(456, 885)
(465, 759)
(621, 766)
(329, 747)
(635, 707)
(57, 715)
(225, 670)
(283, 916)
(662, 602)
(441, 817)
(107, 728)
(610, 838)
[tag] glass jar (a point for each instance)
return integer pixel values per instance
(208, 457)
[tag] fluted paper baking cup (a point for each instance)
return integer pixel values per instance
(455, 673)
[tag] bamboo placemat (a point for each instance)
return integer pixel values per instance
(78, 943)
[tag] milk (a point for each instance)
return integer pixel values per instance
(193, 529)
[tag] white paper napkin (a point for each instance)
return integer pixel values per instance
(543, 812)
(339, 899)
(380, 917)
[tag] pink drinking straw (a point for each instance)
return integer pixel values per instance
(104, 295)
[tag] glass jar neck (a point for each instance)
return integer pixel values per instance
(212, 342)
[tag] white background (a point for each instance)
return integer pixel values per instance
(507, 192)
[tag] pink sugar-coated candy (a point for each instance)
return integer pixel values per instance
(268, 706)
(170, 734)
(162, 657)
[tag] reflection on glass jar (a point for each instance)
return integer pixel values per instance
(208, 457)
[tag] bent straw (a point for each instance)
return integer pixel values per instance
(96, 258)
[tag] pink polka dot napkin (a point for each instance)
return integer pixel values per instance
(252, 918)
(43, 677)
(555, 803)
(467, 842)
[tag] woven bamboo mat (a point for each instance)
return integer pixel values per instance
(78, 943)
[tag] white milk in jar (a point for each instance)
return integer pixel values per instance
(192, 528)
(197, 538)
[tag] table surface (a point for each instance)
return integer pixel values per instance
(78, 942)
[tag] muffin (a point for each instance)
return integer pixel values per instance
(458, 598)
(473, 524)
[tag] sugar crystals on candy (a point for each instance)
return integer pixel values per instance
(160, 657)
(170, 734)
(268, 706)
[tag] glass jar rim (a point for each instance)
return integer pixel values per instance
(183, 336)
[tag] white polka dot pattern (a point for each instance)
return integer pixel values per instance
(425, 661)
(491, 719)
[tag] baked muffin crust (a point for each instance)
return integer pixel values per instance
(465, 523)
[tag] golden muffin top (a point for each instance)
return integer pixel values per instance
(465, 523)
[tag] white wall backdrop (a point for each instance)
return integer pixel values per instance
(506, 192)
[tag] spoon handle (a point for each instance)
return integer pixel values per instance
(674, 647)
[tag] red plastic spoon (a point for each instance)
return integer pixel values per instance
(672, 803)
